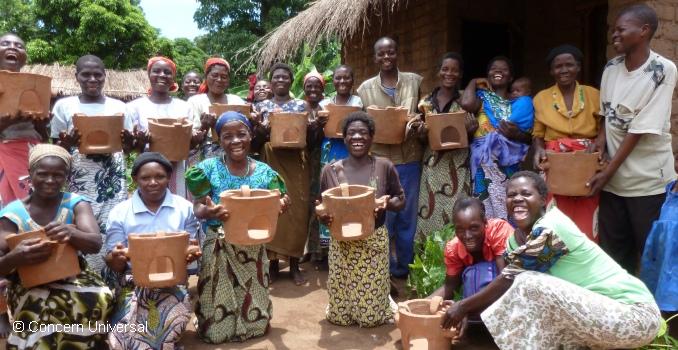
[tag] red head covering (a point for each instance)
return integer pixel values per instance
(173, 66)
(211, 62)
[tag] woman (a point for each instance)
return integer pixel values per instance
(160, 104)
(358, 281)
(19, 133)
(565, 121)
(100, 177)
(190, 84)
(559, 289)
(293, 166)
(262, 91)
(233, 302)
(213, 90)
(445, 176)
(334, 149)
(152, 208)
(502, 137)
(66, 218)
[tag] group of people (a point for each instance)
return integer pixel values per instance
(521, 254)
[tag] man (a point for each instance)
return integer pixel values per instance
(392, 87)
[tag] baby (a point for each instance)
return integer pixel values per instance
(521, 87)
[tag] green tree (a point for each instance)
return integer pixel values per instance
(17, 16)
(236, 24)
(188, 56)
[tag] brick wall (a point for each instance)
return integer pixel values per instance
(665, 41)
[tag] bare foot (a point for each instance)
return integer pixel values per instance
(296, 274)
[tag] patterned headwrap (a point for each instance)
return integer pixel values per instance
(211, 62)
(173, 66)
(44, 150)
(231, 116)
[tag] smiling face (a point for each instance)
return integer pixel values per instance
(49, 176)
(358, 139)
(450, 73)
(235, 140)
(280, 82)
(628, 33)
(524, 203)
(218, 79)
(343, 81)
(190, 84)
(12, 53)
(161, 77)
(262, 90)
(386, 55)
(564, 69)
(152, 180)
(470, 228)
(313, 89)
(499, 74)
(91, 76)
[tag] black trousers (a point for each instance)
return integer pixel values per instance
(624, 223)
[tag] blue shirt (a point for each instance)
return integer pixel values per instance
(133, 217)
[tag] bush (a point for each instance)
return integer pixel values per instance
(427, 273)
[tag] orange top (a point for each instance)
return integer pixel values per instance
(497, 232)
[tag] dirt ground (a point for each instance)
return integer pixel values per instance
(299, 323)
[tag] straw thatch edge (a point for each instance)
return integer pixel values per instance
(322, 20)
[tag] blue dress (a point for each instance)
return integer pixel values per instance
(659, 264)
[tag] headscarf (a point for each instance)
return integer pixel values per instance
(231, 116)
(44, 150)
(151, 157)
(173, 66)
(559, 50)
(314, 74)
(211, 62)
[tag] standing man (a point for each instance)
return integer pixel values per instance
(392, 87)
(635, 97)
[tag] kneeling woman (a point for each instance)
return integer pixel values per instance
(66, 218)
(358, 281)
(233, 302)
(164, 312)
(559, 289)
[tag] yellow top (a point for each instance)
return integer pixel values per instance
(552, 120)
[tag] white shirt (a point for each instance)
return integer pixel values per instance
(64, 109)
(141, 109)
(639, 102)
(200, 104)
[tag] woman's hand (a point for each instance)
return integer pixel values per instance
(471, 124)
(285, 203)
(215, 211)
(382, 205)
(117, 260)
(30, 252)
(69, 140)
(141, 139)
(598, 182)
(454, 315)
(325, 218)
(193, 252)
(207, 121)
(58, 232)
(198, 138)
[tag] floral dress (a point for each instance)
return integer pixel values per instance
(81, 300)
(233, 302)
(445, 176)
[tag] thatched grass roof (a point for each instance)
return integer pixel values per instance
(322, 20)
(123, 85)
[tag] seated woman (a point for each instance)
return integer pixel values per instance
(233, 302)
(559, 289)
(66, 218)
(152, 208)
(474, 256)
(358, 281)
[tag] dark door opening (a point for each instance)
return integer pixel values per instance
(481, 41)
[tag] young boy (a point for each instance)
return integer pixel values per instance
(521, 87)
(391, 87)
(475, 255)
(635, 96)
